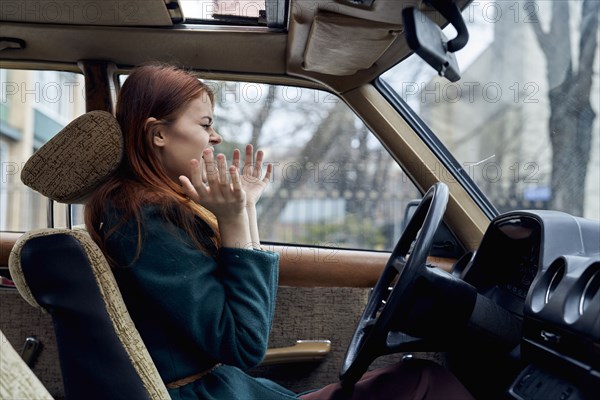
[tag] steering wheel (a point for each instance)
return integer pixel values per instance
(387, 310)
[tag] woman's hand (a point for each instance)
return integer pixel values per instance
(230, 197)
(251, 180)
(225, 199)
(253, 185)
(223, 194)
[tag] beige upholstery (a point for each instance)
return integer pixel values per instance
(123, 325)
(18, 321)
(75, 161)
(333, 313)
(17, 381)
(359, 44)
(67, 169)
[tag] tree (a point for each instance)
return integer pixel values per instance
(331, 128)
(318, 137)
(571, 114)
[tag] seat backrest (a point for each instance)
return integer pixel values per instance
(17, 380)
(62, 271)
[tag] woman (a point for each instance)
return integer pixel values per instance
(179, 227)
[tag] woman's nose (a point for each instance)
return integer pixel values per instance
(215, 138)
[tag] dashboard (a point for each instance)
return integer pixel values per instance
(544, 268)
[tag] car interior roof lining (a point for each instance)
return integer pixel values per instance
(90, 12)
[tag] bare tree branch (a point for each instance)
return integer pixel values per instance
(588, 43)
(556, 44)
(315, 150)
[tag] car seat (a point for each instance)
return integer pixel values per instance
(17, 380)
(63, 272)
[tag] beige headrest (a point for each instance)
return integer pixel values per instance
(75, 161)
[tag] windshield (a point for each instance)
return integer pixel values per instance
(523, 119)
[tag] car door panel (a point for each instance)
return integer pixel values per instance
(19, 320)
(318, 313)
(304, 266)
(321, 295)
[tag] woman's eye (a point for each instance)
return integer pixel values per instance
(207, 127)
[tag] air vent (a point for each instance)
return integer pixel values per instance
(545, 288)
(585, 293)
(591, 290)
(555, 279)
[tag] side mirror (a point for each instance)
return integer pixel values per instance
(426, 38)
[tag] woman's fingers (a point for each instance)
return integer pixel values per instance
(223, 194)
(248, 160)
(236, 183)
(222, 169)
(218, 176)
(267, 177)
(186, 185)
(212, 173)
(189, 189)
(252, 167)
(202, 170)
(258, 164)
(236, 158)
(197, 172)
(249, 154)
(222, 188)
(194, 187)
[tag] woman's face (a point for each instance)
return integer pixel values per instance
(186, 138)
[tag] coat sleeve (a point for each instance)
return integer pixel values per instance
(225, 305)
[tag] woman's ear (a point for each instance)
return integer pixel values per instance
(154, 129)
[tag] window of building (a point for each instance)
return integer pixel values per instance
(35, 105)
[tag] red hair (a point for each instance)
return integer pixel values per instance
(162, 92)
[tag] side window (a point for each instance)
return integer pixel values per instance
(334, 184)
(34, 106)
(3, 192)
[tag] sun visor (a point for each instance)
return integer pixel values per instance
(357, 43)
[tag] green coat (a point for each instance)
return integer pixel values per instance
(193, 310)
